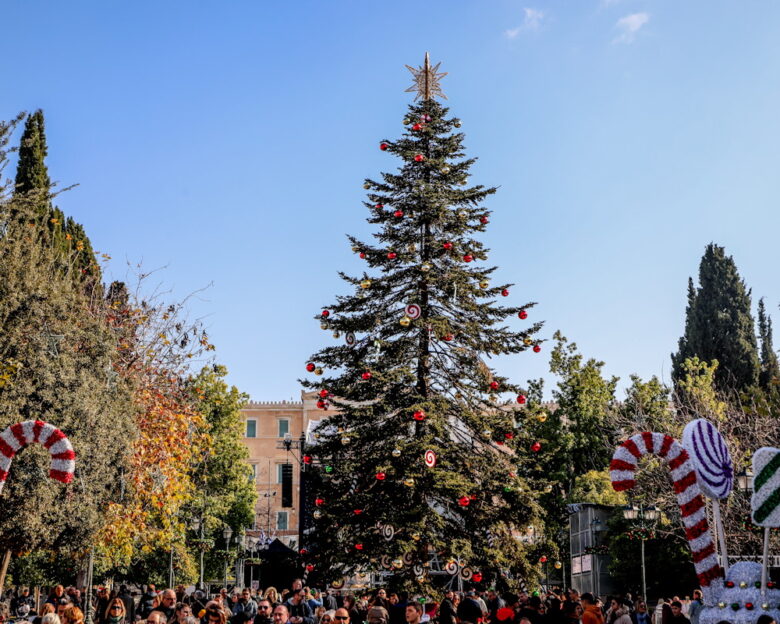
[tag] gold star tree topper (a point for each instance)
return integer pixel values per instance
(426, 80)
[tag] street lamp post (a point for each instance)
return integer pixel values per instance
(227, 533)
(199, 526)
(240, 546)
(645, 517)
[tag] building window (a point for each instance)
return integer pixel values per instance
(284, 427)
(281, 520)
(253, 478)
(251, 428)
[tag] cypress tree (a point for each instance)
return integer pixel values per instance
(33, 186)
(719, 325)
(770, 370)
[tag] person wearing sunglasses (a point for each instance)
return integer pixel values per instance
(264, 610)
(341, 616)
(116, 614)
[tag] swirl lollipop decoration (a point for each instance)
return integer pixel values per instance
(349, 338)
(715, 471)
(18, 436)
(430, 458)
(413, 311)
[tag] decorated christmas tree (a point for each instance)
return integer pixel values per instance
(417, 467)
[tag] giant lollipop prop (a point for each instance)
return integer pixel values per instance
(765, 502)
(686, 486)
(18, 436)
(712, 461)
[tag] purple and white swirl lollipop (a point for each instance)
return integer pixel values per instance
(710, 457)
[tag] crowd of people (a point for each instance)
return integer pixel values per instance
(306, 605)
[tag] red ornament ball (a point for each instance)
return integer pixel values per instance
(383, 146)
(391, 255)
(310, 367)
(319, 501)
(509, 435)
(543, 559)
(505, 293)
(358, 546)
(325, 313)
(398, 214)
(536, 447)
(476, 577)
(521, 399)
(309, 567)
(448, 337)
(307, 459)
(322, 404)
(729, 584)
(303, 551)
(380, 206)
(537, 348)
(324, 393)
(380, 476)
(419, 415)
(464, 501)
(419, 158)
(494, 385)
(417, 127)
(468, 258)
(522, 315)
(362, 255)
(366, 376)
(484, 220)
(749, 606)
(447, 245)
(357, 512)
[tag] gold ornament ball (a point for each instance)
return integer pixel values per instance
(411, 247)
(415, 536)
(398, 564)
(366, 186)
(487, 433)
(336, 334)
(464, 181)
(420, 579)
(743, 584)
(558, 565)
(405, 320)
(318, 371)
(323, 326)
(445, 169)
(366, 283)
(355, 248)
(457, 123)
(484, 284)
(317, 514)
(409, 482)
(721, 605)
(425, 267)
(541, 417)
(548, 489)
(407, 121)
(345, 440)
(527, 341)
(766, 606)
(462, 214)
(396, 452)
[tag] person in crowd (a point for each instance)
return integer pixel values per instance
(327, 617)
(329, 601)
(127, 600)
(764, 618)
(116, 612)
(414, 612)
(447, 611)
(167, 605)
(553, 611)
(572, 612)
(532, 610)
(297, 584)
(377, 613)
(640, 614)
(214, 615)
(281, 615)
(51, 618)
(618, 612)
(264, 610)
(695, 606)
(341, 616)
(677, 614)
(494, 602)
(297, 607)
(469, 611)
(62, 604)
(157, 617)
(272, 595)
(591, 613)
(397, 608)
(313, 598)
(45, 610)
(146, 603)
(181, 612)
(72, 615)
(23, 598)
(245, 604)
(350, 604)
(56, 594)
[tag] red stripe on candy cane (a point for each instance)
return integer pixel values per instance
(667, 444)
(647, 437)
(37, 428)
(619, 464)
(632, 448)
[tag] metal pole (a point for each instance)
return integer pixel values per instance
(227, 556)
(88, 604)
(644, 582)
(302, 486)
(170, 570)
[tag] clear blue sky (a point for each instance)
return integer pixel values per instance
(228, 142)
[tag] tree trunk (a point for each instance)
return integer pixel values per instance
(4, 569)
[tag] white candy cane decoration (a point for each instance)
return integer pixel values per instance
(18, 436)
(686, 486)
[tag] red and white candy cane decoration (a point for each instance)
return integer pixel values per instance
(686, 486)
(20, 435)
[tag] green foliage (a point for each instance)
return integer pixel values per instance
(595, 486)
(32, 175)
(719, 324)
(436, 364)
(770, 369)
(585, 399)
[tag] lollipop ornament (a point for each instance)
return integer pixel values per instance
(715, 471)
(765, 502)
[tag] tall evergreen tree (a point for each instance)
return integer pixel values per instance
(719, 324)
(33, 185)
(411, 380)
(770, 370)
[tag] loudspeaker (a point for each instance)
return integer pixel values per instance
(287, 490)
